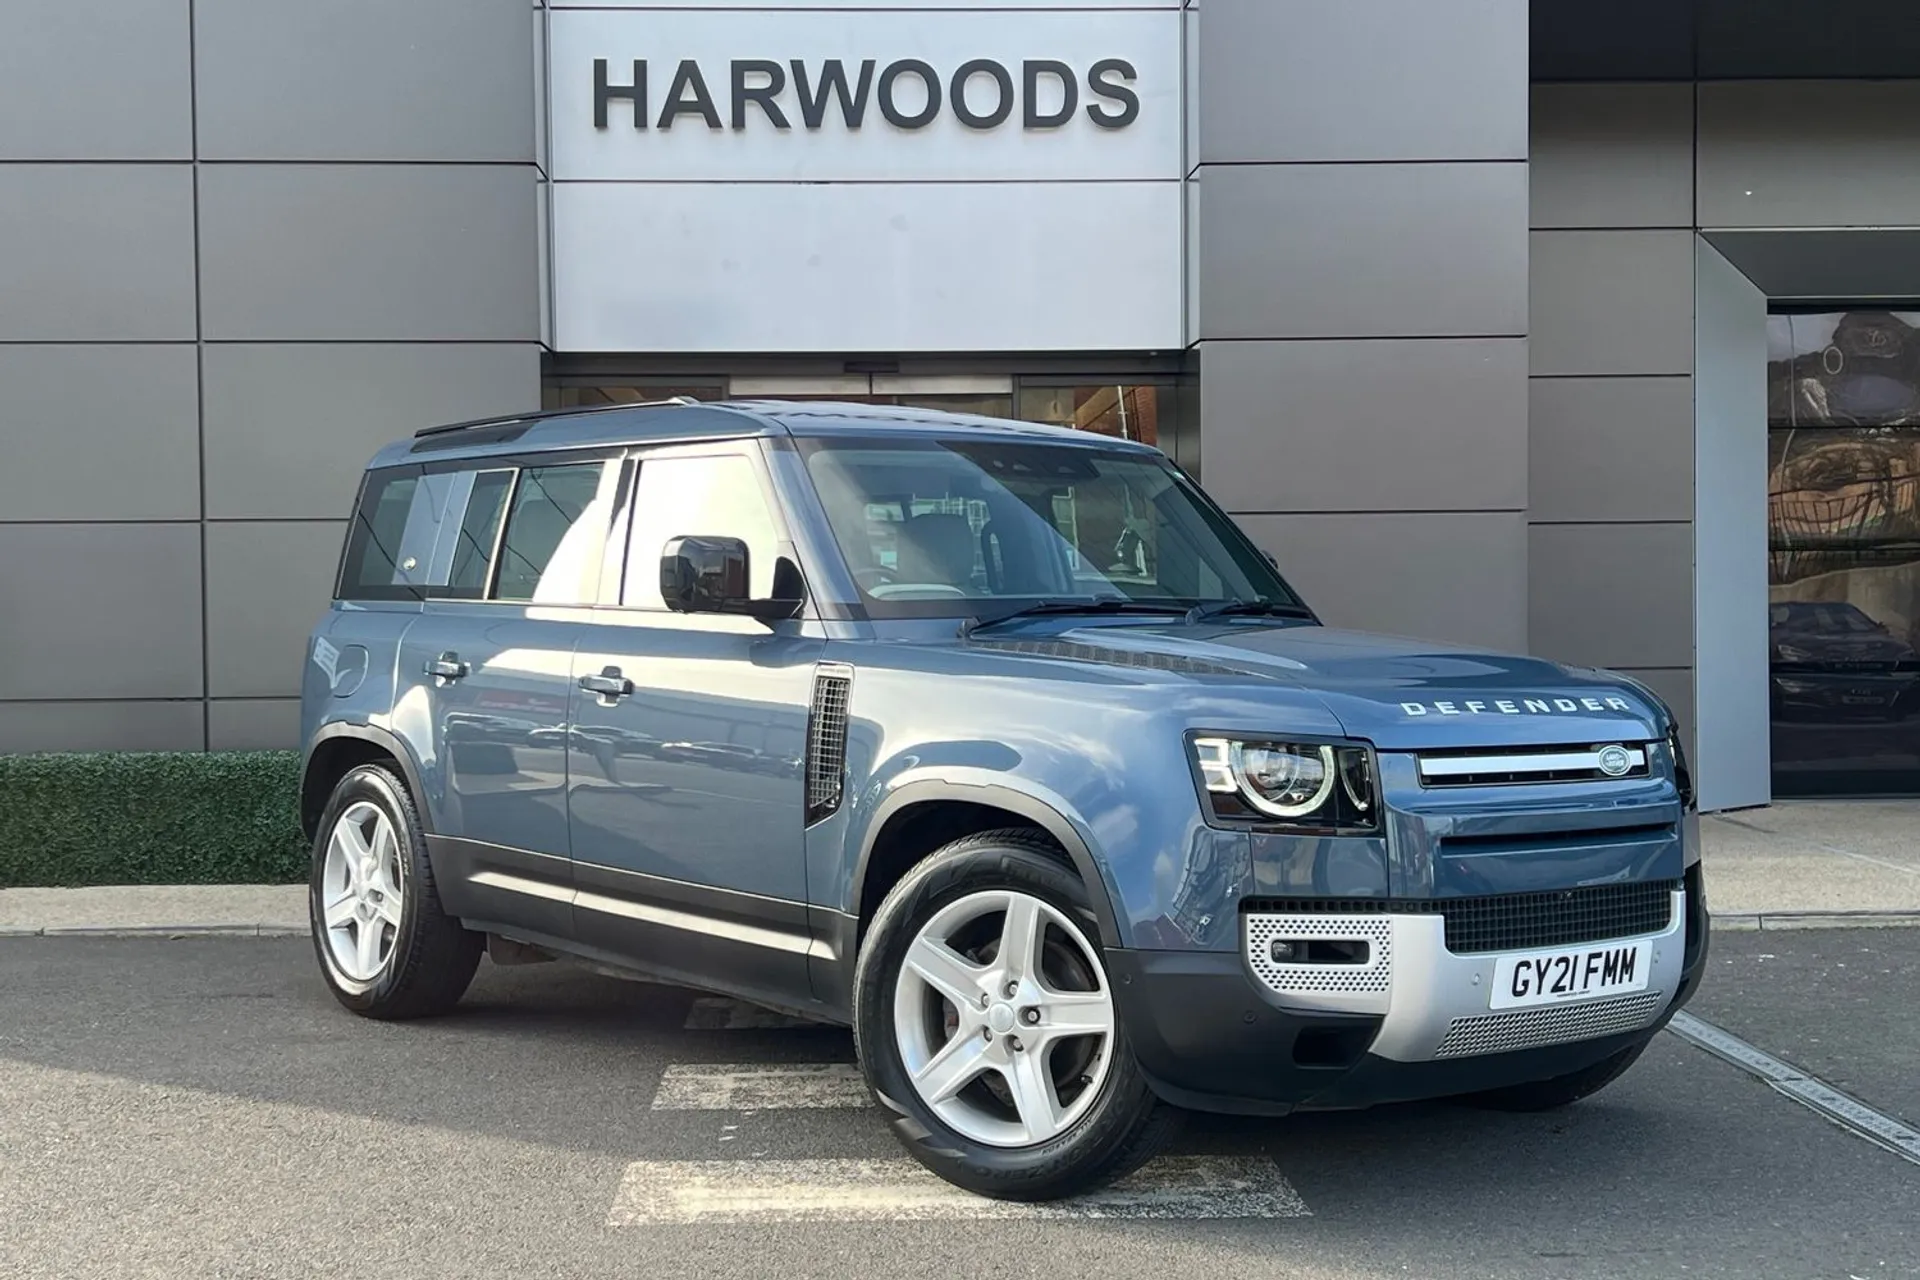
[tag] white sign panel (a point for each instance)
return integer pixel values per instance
(828, 95)
(866, 267)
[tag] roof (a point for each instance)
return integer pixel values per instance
(688, 420)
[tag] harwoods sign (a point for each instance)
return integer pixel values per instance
(982, 94)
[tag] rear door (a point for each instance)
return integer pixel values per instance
(490, 660)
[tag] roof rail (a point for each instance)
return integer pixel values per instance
(538, 414)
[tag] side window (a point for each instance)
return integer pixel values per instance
(553, 539)
(717, 495)
(482, 500)
(387, 532)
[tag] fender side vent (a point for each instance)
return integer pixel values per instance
(827, 741)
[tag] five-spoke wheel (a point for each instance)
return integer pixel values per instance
(362, 887)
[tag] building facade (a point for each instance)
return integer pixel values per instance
(1580, 328)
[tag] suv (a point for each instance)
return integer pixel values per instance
(1000, 744)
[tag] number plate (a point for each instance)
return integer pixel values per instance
(1571, 973)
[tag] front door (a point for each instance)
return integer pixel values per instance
(687, 752)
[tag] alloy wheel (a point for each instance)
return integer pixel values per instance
(361, 892)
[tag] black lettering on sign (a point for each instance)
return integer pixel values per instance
(1099, 79)
(1003, 84)
(1593, 962)
(763, 94)
(891, 110)
(1519, 986)
(635, 93)
(1610, 971)
(689, 80)
(1563, 983)
(1628, 959)
(833, 81)
(1031, 71)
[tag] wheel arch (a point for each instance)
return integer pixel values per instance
(985, 808)
(339, 748)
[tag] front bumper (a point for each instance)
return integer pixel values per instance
(1213, 1033)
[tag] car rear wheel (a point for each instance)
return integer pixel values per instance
(986, 1025)
(1560, 1091)
(386, 948)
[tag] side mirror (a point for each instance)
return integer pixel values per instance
(710, 575)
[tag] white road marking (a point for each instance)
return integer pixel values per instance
(735, 1087)
(713, 1013)
(1812, 1092)
(900, 1190)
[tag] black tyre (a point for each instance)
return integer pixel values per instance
(985, 1024)
(1560, 1091)
(386, 948)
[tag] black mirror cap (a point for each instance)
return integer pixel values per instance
(708, 574)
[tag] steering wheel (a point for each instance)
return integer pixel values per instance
(874, 577)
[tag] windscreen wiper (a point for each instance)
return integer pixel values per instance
(1208, 610)
(1093, 605)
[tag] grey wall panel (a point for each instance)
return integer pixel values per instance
(1611, 449)
(1809, 154)
(1286, 80)
(96, 80)
(1730, 589)
(99, 433)
(369, 253)
(1305, 426)
(1448, 576)
(253, 724)
(100, 611)
(1355, 251)
(289, 428)
(1610, 302)
(96, 253)
(1612, 595)
(365, 80)
(106, 725)
(1612, 155)
(267, 584)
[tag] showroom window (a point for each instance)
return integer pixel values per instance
(1843, 525)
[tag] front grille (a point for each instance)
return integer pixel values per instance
(1504, 767)
(1513, 921)
(1555, 1024)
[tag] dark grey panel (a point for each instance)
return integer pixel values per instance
(99, 433)
(1612, 155)
(96, 253)
(96, 80)
(1372, 80)
(1612, 595)
(1607, 302)
(107, 725)
(1451, 576)
(1826, 154)
(369, 252)
(1611, 449)
(290, 428)
(1362, 251)
(267, 584)
(1425, 425)
(1611, 39)
(100, 611)
(1854, 39)
(254, 724)
(1824, 265)
(365, 80)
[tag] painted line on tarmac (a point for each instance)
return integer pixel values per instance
(737, 1087)
(715, 1013)
(722, 1192)
(1812, 1092)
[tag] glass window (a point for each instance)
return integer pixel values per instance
(925, 529)
(378, 542)
(471, 555)
(715, 495)
(553, 537)
(576, 397)
(1129, 412)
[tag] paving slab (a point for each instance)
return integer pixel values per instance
(1805, 857)
(196, 908)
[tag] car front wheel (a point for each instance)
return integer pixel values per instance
(986, 1024)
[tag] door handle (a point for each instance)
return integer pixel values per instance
(447, 666)
(609, 684)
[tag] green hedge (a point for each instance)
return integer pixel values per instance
(151, 818)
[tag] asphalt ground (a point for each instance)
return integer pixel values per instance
(201, 1107)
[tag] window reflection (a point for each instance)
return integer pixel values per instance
(1844, 551)
(1129, 412)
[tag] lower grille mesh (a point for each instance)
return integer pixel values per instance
(1531, 1028)
(1514, 921)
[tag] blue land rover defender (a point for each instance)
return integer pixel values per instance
(1000, 744)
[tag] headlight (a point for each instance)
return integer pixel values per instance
(1312, 786)
(1791, 653)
